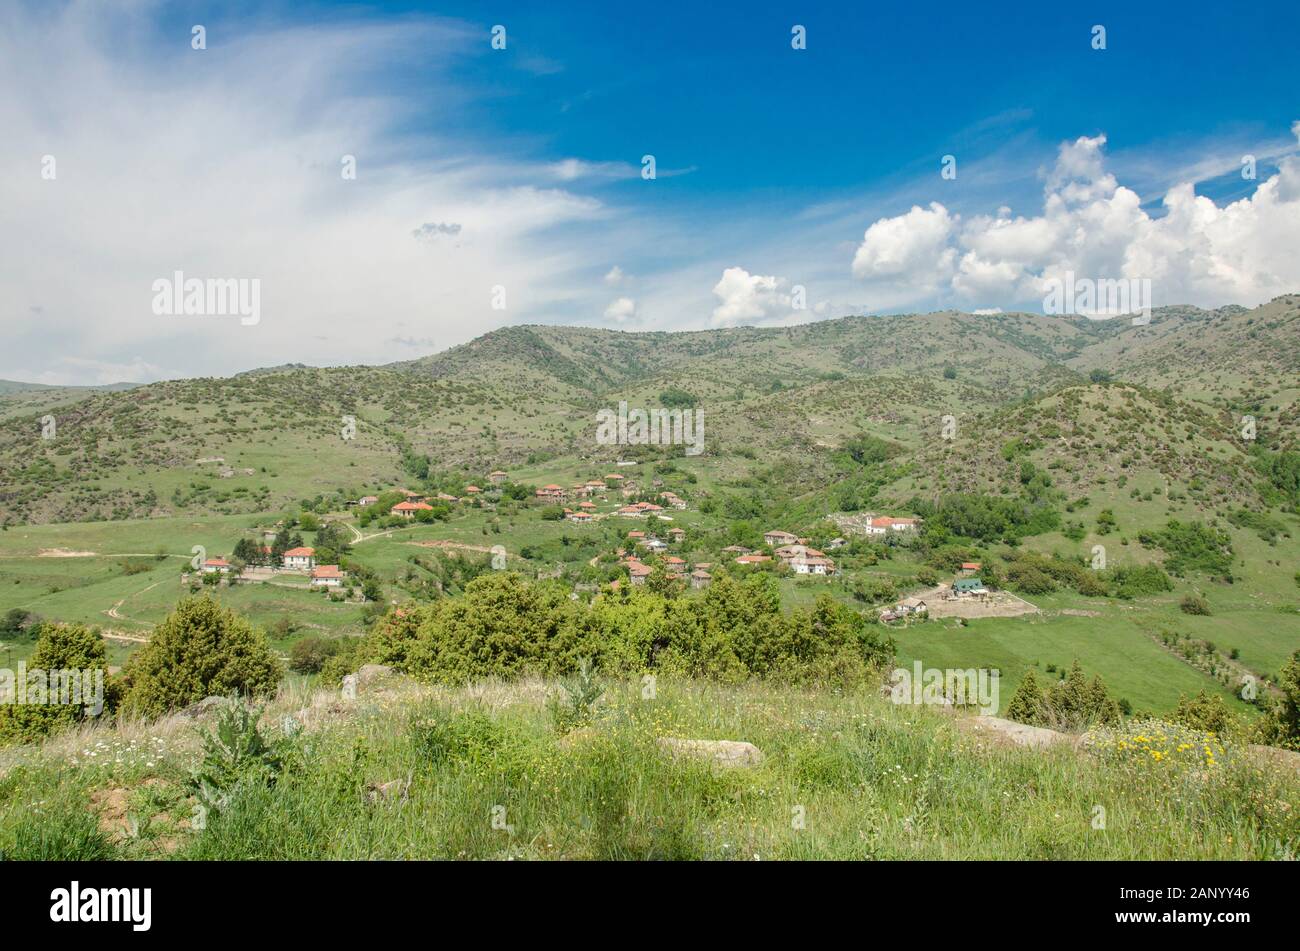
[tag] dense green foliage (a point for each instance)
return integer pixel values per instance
(505, 626)
(200, 650)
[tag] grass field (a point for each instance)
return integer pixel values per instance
(484, 774)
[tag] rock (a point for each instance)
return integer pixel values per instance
(1011, 733)
(373, 672)
(394, 790)
(726, 753)
(1287, 759)
(204, 707)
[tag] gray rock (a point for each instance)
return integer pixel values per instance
(373, 672)
(204, 707)
(726, 753)
(1009, 732)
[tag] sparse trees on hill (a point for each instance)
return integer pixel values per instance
(1072, 704)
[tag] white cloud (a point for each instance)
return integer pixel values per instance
(1196, 252)
(751, 298)
(225, 163)
(615, 277)
(621, 309)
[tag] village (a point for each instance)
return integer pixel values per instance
(281, 556)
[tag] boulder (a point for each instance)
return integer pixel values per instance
(371, 673)
(1011, 733)
(204, 707)
(727, 753)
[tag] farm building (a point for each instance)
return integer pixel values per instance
(300, 559)
(326, 576)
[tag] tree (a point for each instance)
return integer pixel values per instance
(1027, 703)
(64, 652)
(200, 650)
(1281, 726)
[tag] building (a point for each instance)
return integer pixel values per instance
(884, 523)
(674, 500)
(910, 606)
(969, 568)
(675, 564)
(300, 559)
(326, 576)
(496, 478)
(776, 538)
(677, 534)
(811, 565)
(969, 586)
(582, 518)
(472, 490)
(655, 544)
(552, 492)
(408, 509)
(216, 566)
(835, 543)
(700, 578)
(587, 506)
(752, 559)
(367, 500)
(736, 550)
(637, 572)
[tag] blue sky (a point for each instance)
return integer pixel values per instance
(782, 173)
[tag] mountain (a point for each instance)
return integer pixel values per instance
(1085, 400)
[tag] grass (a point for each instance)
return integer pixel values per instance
(486, 776)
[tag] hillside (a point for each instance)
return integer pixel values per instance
(532, 392)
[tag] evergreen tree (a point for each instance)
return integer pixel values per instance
(1027, 705)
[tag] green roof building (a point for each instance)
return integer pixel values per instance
(967, 585)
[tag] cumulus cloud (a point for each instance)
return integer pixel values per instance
(1090, 224)
(751, 298)
(621, 310)
(615, 276)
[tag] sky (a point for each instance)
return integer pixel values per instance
(394, 179)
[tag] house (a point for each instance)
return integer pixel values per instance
(408, 509)
(736, 549)
(412, 496)
(496, 478)
(677, 534)
(216, 566)
(636, 534)
(472, 490)
(969, 586)
(883, 524)
(675, 564)
(631, 511)
(752, 559)
(776, 538)
(613, 477)
(300, 559)
(655, 544)
(587, 505)
(637, 572)
(700, 578)
(835, 543)
(552, 492)
(969, 568)
(582, 518)
(326, 576)
(910, 606)
(674, 500)
(367, 500)
(811, 565)
(444, 497)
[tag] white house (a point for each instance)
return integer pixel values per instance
(326, 576)
(300, 559)
(215, 566)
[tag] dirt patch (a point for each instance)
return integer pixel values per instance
(997, 604)
(454, 545)
(64, 553)
(113, 808)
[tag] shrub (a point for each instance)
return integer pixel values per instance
(1194, 604)
(1281, 725)
(575, 705)
(309, 655)
(199, 650)
(236, 756)
(62, 651)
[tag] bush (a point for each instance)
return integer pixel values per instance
(1194, 604)
(199, 650)
(308, 656)
(62, 651)
(236, 756)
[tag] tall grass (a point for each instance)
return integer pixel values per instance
(486, 775)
